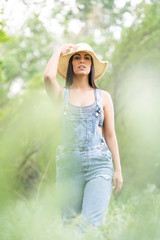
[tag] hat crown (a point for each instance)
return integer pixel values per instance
(83, 47)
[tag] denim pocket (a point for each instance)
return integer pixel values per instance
(106, 153)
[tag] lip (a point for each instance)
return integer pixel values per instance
(82, 66)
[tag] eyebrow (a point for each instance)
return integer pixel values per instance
(79, 54)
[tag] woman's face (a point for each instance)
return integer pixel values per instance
(81, 63)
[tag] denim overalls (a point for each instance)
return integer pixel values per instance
(84, 166)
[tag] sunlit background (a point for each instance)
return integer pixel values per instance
(127, 34)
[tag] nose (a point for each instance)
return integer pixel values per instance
(81, 60)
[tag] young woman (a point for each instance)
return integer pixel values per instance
(88, 146)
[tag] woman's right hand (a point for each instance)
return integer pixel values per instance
(52, 87)
(66, 48)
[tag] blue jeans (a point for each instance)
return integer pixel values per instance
(84, 183)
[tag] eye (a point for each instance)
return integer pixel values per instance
(88, 58)
(76, 57)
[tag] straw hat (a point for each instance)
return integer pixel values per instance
(99, 66)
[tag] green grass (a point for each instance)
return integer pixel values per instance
(134, 217)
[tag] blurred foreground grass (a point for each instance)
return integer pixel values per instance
(136, 217)
(29, 209)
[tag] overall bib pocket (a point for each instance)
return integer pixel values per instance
(79, 131)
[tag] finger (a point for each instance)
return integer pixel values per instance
(114, 182)
(117, 191)
(74, 46)
(71, 45)
(118, 188)
(69, 49)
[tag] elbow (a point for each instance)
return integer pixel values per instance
(109, 134)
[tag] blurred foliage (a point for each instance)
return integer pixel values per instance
(135, 81)
(30, 47)
(30, 123)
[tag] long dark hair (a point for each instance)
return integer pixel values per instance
(70, 74)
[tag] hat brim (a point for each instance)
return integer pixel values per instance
(99, 66)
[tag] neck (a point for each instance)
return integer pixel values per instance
(80, 82)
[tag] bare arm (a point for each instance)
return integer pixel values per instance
(52, 87)
(111, 139)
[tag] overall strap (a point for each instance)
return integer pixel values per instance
(98, 99)
(99, 96)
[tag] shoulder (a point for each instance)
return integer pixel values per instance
(106, 96)
(107, 102)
